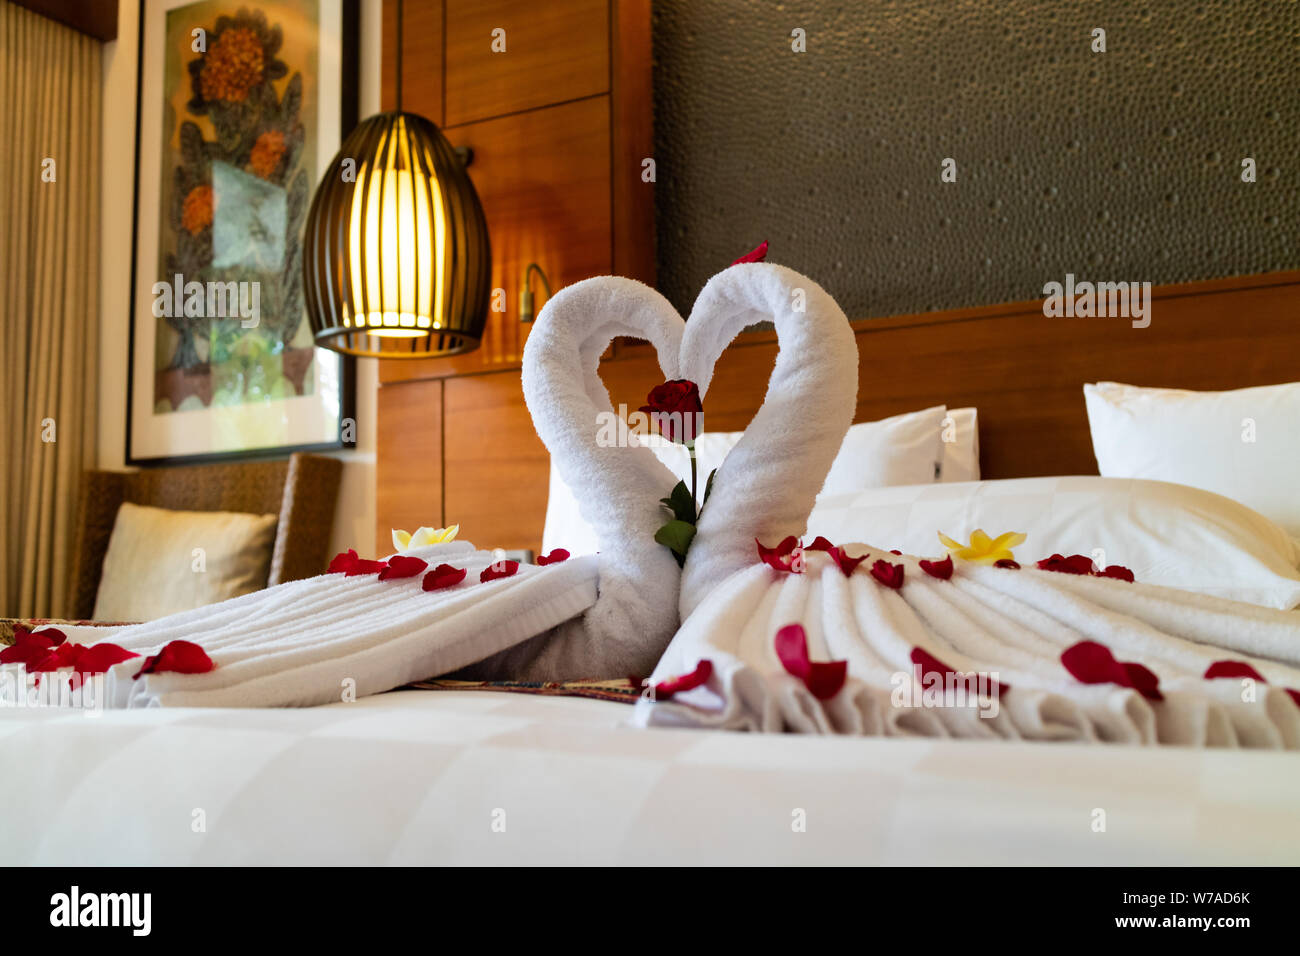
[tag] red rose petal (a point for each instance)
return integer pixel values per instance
(27, 646)
(365, 566)
(1143, 680)
(98, 658)
(1007, 563)
(1233, 669)
(824, 679)
(402, 566)
(1091, 663)
(757, 254)
(443, 576)
(555, 557)
(178, 657)
(343, 561)
(819, 544)
(932, 665)
(846, 564)
(65, 655)
(1294, 695)
(938, 569)
(890, 575)
(1074, 564)
(666, 689)
(491, 573)
(1119, 572)
(786, 556)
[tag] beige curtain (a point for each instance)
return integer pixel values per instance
(49, 300)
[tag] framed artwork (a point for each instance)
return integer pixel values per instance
(240, 108)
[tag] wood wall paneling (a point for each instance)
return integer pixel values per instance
(544, 181)
(422, 58)
(631, 89)
(554, 52)
(497, 469)
(408, 462)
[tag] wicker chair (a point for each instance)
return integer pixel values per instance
(302, 491)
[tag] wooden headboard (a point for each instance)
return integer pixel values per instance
(1022, 370)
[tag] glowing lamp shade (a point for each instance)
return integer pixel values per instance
(396, 258)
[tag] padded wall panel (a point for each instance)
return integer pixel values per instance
(1123, 165)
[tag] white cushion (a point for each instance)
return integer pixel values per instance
(1164, 533)
(160, 562)
(1244, 444)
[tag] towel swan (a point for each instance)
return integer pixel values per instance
(1011, 625)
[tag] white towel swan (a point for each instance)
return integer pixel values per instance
(1009, 624)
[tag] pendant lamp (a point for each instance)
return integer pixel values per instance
(396, 257)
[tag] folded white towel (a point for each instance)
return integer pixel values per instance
(1009, 625)
(311, 641)
(768, 482)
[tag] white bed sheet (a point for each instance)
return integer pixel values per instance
(420, 778)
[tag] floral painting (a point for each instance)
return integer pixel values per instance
(238, 93)
(237, 201)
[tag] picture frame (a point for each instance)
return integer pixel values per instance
(240, 109)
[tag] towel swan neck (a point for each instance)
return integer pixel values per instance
(618, 487)
(768, 483)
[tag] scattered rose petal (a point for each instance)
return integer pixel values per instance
(786, 556)
(930, 664)
(179, 657)
(64, 655)
(402, 566)
(1293, 694)
(1118, 572)
(342, 561)
(846, 564)
(493, 573)
(27, 646)
(819, 544)
(676, 685)
(938, 569)
(555, 557)
(890, 575)
(895, 551)
(98, 658)
(1074, 564)
(1233, 669)
(1007, 563)
(350, 565)
(443, 576)
(1092, 663)
(757, 254)
(824, 679)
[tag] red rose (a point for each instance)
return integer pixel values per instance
(676, 410)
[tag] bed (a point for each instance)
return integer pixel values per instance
(477, 776)
(480, 778)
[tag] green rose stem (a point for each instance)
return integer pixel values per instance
(690, 447)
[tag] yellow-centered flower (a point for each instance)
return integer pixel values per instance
(423, 537)
(983, 549)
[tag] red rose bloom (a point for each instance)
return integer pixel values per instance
(676, 410)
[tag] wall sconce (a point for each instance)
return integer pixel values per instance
(526, 312)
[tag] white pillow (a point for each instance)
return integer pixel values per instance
(904, 449)
(1244, 444)
(1164, 533)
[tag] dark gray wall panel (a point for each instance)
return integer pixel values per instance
(1116, 165)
